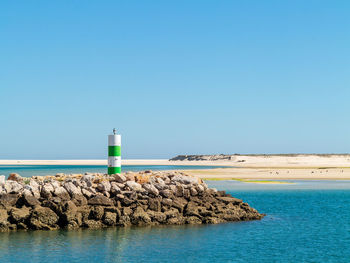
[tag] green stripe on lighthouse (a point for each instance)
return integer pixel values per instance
(114, 151)
(114, 170)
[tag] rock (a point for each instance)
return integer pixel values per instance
(173, 214)
(166, 193)
(30, 200)
(179, 203)
(43, 218)
(154, 204)
(2, 180)
(120, 178)
(79, 200)
(191, 210)
(134, 186)
(157, 216)
(20, 215)
(167, 201)
(110, 219)
(72, 189)
(62, 193)
(104, 186)
(69, 215)
(130, 177)
(35, 188)
(9, 200)
(140, 217)
(47, 190)
(115, 189)
(193, 220)
(92, 224)
(160, 184)
(12, 187)
(96, 213)
(193, 191)
(183, 179)
(186, 193)
(100, 200)
(88, 179)
(228, 200)
(179, 190)
(124, 221)
(2, 190)
(200, 188)
(151, 189)
(136, 199)
(15, 177)
(27, 191)
(3, 217)
(87, 193)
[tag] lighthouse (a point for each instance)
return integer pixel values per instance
(114, 153)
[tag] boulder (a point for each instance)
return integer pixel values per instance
(43, 218)
(193, 220)
(228, 200)
(151, 189)
(19, 215)
(115, 189)
(15, 177)
(100, 200)
(154, 204)
(119, 178)
(12, 186)
(2, 180)
(110, 219)
(79, 200)
(134, 186)
(140, 217)
(62, 193)
(3, 218)
(166, 193)
(191, 209)
(157, 216)
(96, 213)
(47, 190)
(104, 186)
(30, 200)
(130, 177)
(179, 190)
(92, 224)
(193, 191)
(9, 200)
(72, 189)
(87, 193)
(35, 188)
(184, 179)
(88, 179)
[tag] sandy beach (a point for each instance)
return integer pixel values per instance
(252, 167)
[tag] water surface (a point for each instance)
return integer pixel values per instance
(31, 170)
(305, 223)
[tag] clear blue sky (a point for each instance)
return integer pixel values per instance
(174, 77)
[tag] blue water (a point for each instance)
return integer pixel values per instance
(30, 170)
(305, 222)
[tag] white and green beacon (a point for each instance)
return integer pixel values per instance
(114, 153)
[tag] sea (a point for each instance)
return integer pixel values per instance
(31, 170)
(306, 221)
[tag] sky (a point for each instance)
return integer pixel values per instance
(173, 77)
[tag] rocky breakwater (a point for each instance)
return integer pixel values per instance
(97, 201)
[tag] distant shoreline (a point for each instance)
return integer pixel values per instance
(104, 162)
(258, 167)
